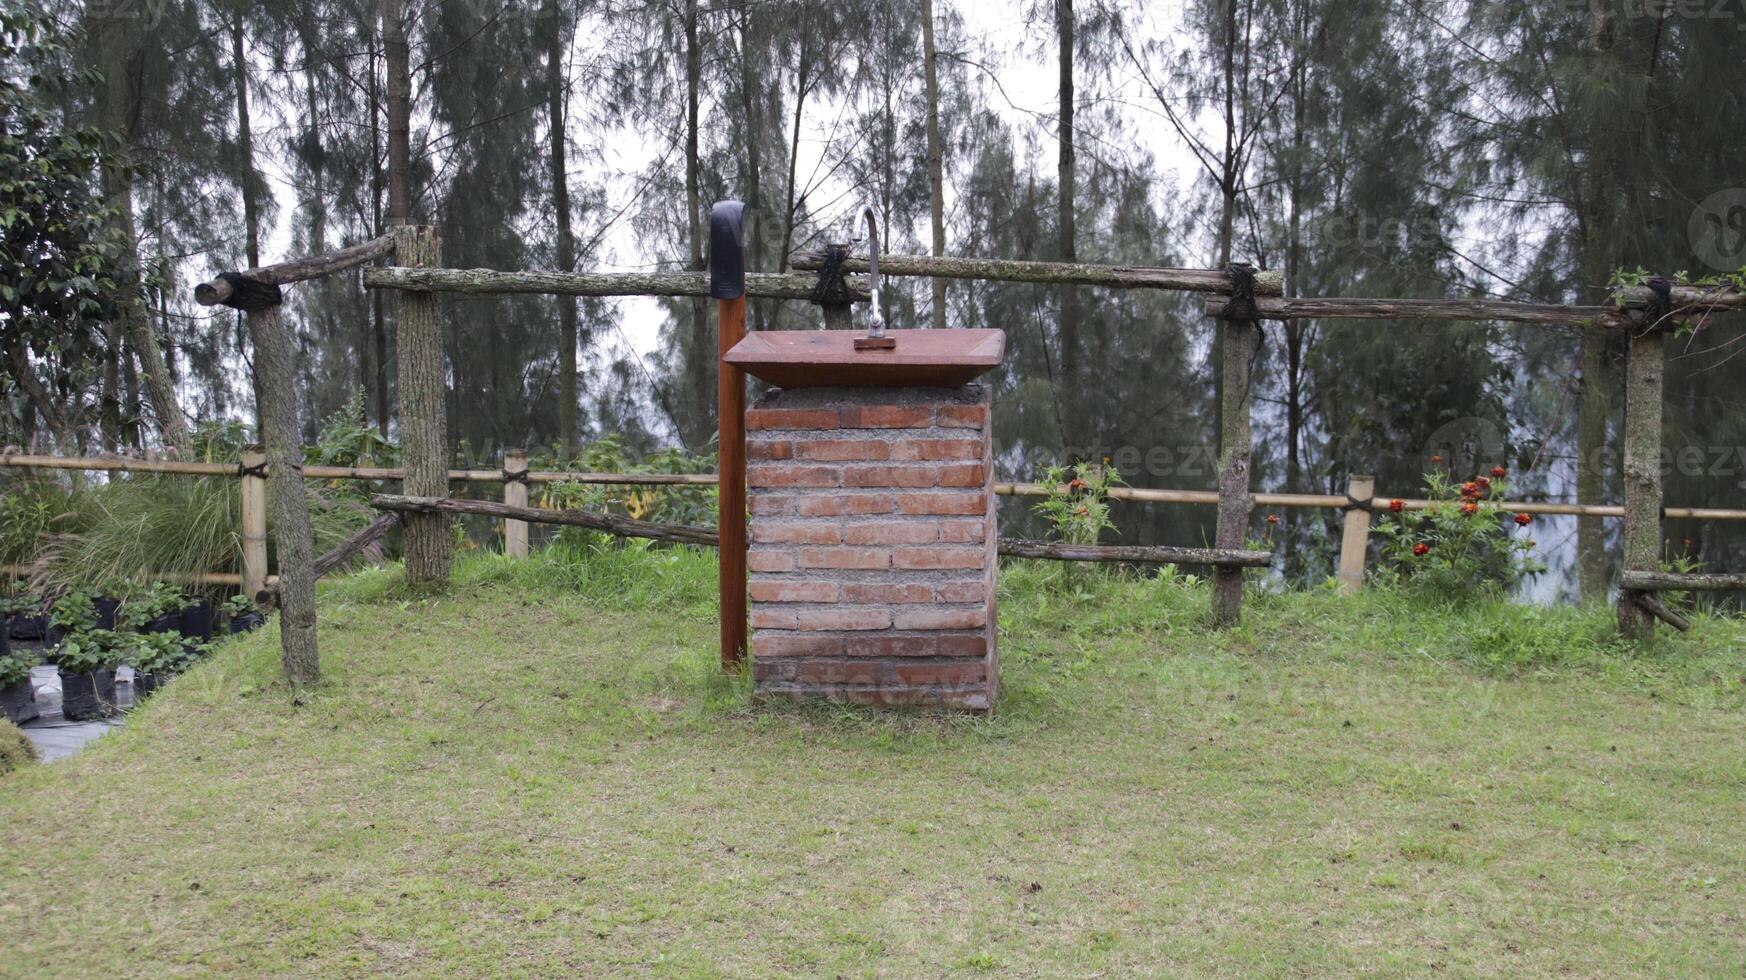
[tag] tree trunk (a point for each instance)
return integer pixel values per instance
(399, 114)
(749, 87)
(701, 362)
(1645, 370)
(1067, 237)
(1242, 339)
(1595, 219)
(556, 92)
(275, 374)
(245, 146)
(379, 327)
(424, 436)
(936, 158)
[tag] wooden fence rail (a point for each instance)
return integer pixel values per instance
(514, 512)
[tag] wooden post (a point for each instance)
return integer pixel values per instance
(254, 520)
(1242, 340)
(515, 495)
(731, 494)
(727, 285)
(424, 429)
(1355, 534)
(1645, 371)
(276, 392)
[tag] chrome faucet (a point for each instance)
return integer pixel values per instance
(865, 220)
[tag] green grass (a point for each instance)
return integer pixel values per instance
(540, 772)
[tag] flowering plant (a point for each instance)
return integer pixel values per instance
(1077, 504)
(1462, 543)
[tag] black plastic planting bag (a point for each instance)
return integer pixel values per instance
(88, 696)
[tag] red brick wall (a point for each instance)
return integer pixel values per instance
(873, 545)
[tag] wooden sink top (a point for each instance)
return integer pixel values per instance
(828, 358)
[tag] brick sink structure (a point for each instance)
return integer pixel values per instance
(873, 545)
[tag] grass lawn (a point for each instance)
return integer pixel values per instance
(539, 772)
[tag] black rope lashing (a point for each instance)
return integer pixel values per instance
(832, 288)
(250, 295)
(1241, 305)
(258, 471)
(519, 476)
(1660, 305)
(1359, 503)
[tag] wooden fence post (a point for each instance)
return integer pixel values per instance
(515, 495)
(254, 521)
(1355, 534)
(1242, 342)
(424, 429)
(276, 395)
(1645, 371)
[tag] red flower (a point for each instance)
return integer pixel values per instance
(1483, 482)
(1076, 484)
(1436, 459)
(1498, 472)
(1523, 520)
(1421, 549)
(1470, 508)
(1469, 489)
(1273, 518)
(1397, 505)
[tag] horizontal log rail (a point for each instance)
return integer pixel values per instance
(1143, 554)
(1267, 283)
(1682, 581)
(707, 536)
(298, 270)
(625, 527)
(766, 285)
(1309, 501)
(1538, 314)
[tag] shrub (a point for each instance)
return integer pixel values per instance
(16, 748)
(74, 612)
(156, 653)
(151, 602)
(90, 650)
(1077, 505)
(15, 667)
(1461, 546)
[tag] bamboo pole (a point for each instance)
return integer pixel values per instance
(1355, 535)
(231, 579)
(254, 520)
(1053, 273)
(708, 537)
(1305, 501)
(1645, 371)
(515, 495)
(764, 285)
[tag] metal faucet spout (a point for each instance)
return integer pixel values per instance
(865, 220)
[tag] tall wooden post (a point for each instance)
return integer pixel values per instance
(276, 393)
(424, 429)
(1355, 534)
(254, 521)
(515, 495)
(1242, 341)
(1645, 371)
(727, 285)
